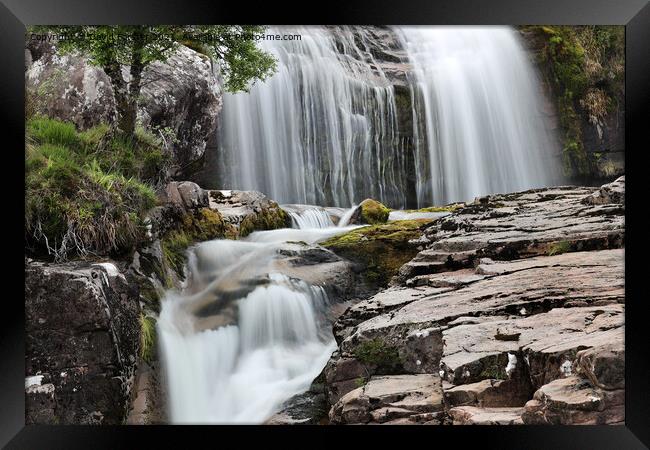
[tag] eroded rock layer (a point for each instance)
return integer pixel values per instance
(514, 309)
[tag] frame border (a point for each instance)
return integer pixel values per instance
(635, 14)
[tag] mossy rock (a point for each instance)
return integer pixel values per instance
(372, 212)
(380, 249)
(270, 218)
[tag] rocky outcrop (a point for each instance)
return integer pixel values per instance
(515, 301)
(181, 98)
(399, 399)
(67, 87)
(82, 342)
(248, 211)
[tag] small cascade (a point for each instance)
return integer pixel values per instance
(305, 216)
(242, 337)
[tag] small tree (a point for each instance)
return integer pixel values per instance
(122, 50)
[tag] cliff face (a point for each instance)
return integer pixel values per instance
(582, 71)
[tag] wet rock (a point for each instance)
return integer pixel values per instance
(82, 342)
(379, 250)
(370, 212)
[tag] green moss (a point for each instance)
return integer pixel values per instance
(360, 382)
(147, 337)
(174, 245)
(494, 367)
(381, 249)
(433, 209)
(377, 353)
(270, 218)
(373, 212)
(559, 247)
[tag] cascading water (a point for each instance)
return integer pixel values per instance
(243, 337)
(324, 129)
(481, 130)
(321, 131)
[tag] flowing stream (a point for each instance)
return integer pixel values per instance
(243, 337)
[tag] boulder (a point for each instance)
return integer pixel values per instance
(182, 94)
(186, 194)
(370, 212)
(82, 343)
(181, 97)
(383, 399)
(68, 87)
(575, 401)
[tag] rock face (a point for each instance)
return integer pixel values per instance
(67, 87)
(82, 343)
(599, 129)
(181, 95)
(515, 301)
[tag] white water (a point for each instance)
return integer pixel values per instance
(324, 129)
(242, 337)
(308, 133)
(482, 131)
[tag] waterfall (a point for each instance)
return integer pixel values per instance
(323, 129)
(480, 130)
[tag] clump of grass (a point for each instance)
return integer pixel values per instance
(174, 246)
(559, 247)
(147, 337)
(379, 354)
(78, 201)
